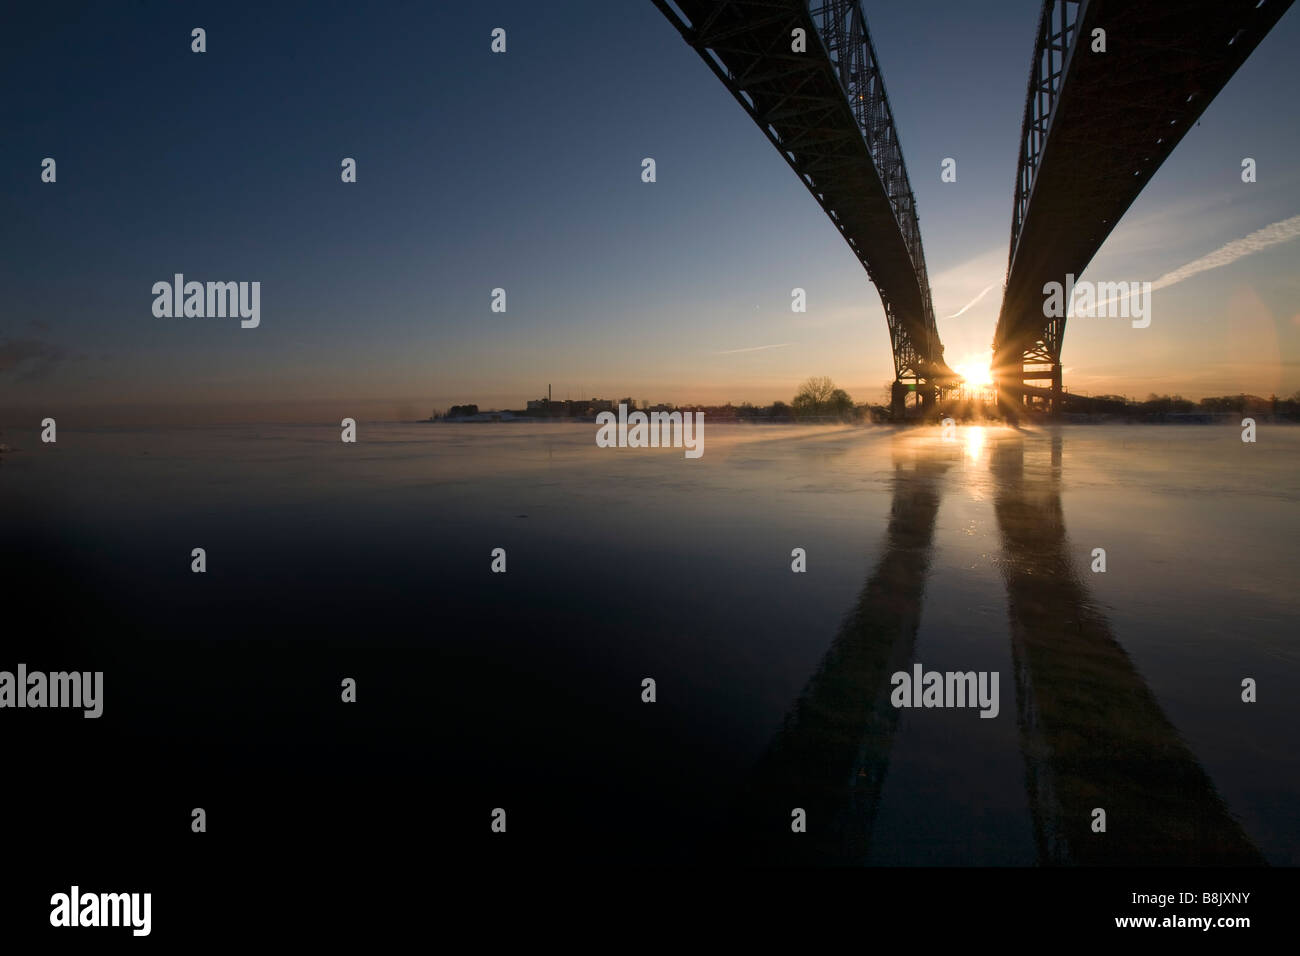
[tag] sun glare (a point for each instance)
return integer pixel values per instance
(975, 370)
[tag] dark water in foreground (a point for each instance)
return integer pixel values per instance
(522, 690)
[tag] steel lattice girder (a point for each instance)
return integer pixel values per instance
(1097, 126)
(827, 114)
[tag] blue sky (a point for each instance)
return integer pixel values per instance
(522, 171)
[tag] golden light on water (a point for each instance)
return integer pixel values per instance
(974, 442)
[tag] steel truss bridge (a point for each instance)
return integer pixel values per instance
(825, 110)
(1097, 125)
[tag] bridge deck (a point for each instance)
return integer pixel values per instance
(1116, 117)
(798, 101)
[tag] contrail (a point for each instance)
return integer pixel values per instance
(1257, 241)
(756, 348)
(987, 288)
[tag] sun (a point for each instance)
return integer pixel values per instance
(976, 369)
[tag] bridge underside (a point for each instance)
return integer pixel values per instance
(1097, 127)
(801, 102)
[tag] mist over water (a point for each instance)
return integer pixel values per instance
(325, 560)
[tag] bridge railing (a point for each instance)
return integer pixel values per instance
(843, 29)
(1057, 28)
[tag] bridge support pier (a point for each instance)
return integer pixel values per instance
(929, 395)
(1034, 387)
(1010, 402)
(1046, 393)
(897, 401)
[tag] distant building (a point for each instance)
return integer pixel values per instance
(568, 408)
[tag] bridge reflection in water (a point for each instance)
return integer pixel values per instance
(1091, 732)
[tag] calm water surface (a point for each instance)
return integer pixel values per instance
(1119, 690)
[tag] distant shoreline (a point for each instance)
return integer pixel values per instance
(1065, 418)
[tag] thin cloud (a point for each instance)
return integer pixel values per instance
(756, 348)
(1279, 232)
(986, 290)
(1261, 239)
(30, 360)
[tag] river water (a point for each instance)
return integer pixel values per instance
(1120, 690)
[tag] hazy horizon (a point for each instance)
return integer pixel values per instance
(377, 410)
